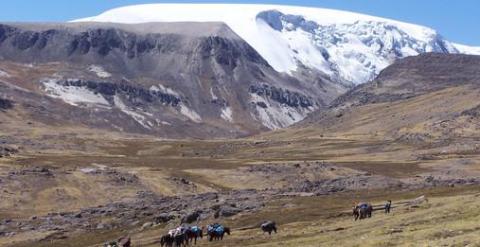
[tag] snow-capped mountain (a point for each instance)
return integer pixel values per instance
(199, 70)
(348, 47)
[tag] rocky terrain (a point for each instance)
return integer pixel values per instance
(414, 76)
(143, 209)
(426, 98)
(6, 104)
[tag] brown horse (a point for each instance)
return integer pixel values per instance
(180, 240)
(214, 235)
(193, 233)
(355, 213)
(125, 242)
(167, 240)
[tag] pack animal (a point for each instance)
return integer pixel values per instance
(269, 226)
(217, 232)
(362, 211)
(193, 233)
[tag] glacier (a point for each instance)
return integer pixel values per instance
(348, 47)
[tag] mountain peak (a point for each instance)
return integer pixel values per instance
(349, 47)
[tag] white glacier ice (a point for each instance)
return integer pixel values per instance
(347, 46)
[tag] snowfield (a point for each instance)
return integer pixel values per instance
(165, 90)
(349, 47)
(189, 113)
(227, 114)
(4, 74)
(467, 49)
(99, 71)
(139, 118)
(73, 95)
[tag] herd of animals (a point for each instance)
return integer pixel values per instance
(364, 210)
(185, 235)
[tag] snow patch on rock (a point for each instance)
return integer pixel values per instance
(214, 97)
(189, 113)
(100, 166)
(73, 95)
(165, 90)
(4, 74)
(99, 71)
(94, 169)
(88, 170)
(227, 114)
(163, 123)
(274, 115)
(136, 116)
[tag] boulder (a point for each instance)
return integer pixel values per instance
(147, 225)
(228, 211)
(163, 218)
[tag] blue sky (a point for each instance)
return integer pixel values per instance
(457, 20)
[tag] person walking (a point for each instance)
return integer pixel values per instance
(388, 206)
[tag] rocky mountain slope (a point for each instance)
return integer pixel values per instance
(431, 97)
(350, 48)
(169, 79)
(415, 76)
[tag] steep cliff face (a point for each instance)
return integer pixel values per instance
(164, 78)
(286, 97)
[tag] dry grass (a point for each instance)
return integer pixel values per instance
(443, 221)
(363, 140)
(449, 218)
